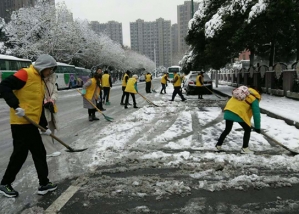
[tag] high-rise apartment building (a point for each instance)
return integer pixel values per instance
(176, 55)
(152, 39)
(113, 29)
(8, 6)
(184, 15)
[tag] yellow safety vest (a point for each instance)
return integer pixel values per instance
(90, 90)
(163, 80)
(130, 86)
(30, 97)
(148, 78)
(124, 83)
(105, 80)
(243, 108)
(178, 82)
(197, 80)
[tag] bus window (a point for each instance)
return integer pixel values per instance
(172, 69)
(10, 64)
(65, 76)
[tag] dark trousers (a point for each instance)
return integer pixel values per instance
(199, 91)
(101, 96)
(106, 93)
(92, 112)
(148, 86)
(163, 88)
(228, 128)
(177, 90)
(26, 138)
(127, 98)
(124, 94)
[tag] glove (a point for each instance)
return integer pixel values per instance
(47, 132)
(20, 112)
(49, 105)
(83, 92)
(257, 130)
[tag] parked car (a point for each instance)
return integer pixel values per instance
(190, 84)
(141, 78)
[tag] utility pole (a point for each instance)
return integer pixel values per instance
(192, 9)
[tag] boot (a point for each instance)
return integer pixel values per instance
(94, 116)
(135, 106)
(100, 106)
(90, 118)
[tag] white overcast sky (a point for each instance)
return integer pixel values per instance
(124, 11)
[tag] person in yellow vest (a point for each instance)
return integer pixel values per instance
(199, 84)
(124, 84)
(106, 84)
(50, 109)
(148, 82)
(132, 89)
(241, 110)
(164, 81)
(24, 92)
(91, 91)
(99, 82)
(177, 86)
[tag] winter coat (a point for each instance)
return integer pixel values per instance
(237, 110)
(92, 93)
(51, 93)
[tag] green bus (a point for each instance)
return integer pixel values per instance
(10, 64)
(172, 69)
(65, 76)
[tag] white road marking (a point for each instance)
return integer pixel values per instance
(62, 200)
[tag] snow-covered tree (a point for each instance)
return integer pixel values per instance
(46, 29)
(220, 29)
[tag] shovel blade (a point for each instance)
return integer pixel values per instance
(108, 118)
(76, 150)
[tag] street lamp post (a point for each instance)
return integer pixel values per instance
(155, 60)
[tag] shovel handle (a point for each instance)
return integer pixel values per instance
(90, 102)
(43, 129)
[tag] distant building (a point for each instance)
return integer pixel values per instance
(176, 54)
(8, 6)
(112, 29)
(244, 55)
(184, 15)
(152, 39)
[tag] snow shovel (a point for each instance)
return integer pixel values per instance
(70, 149)
(278, 143)
(153, 90)
(263, 132)
(106, 117)
(212, 92)
(148, 101)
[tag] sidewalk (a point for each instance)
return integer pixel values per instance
(277, 107)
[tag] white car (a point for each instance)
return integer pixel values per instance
(142, 78)
(190, 84)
